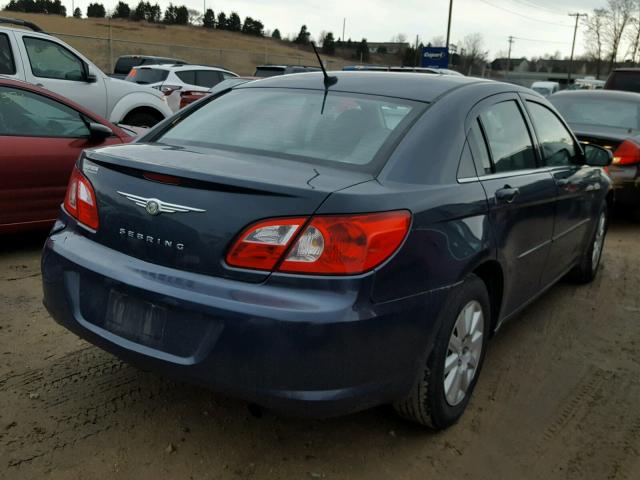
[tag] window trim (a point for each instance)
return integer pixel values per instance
(576, 143)
(11, 55)
(83, 64)
(39, 95)
(528, 126)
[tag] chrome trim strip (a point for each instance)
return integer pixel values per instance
(163, 207)
(569, 230)
(534, 249)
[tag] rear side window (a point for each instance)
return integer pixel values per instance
(627, 81)
(188, 76)
(466, 168)
(207, 78)
(146, 75)
(348, 129)
(508, 137)
(557, 143)
(478, 146)
(7, 65)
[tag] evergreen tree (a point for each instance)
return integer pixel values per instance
(209, 19)
(139, 13)
(222, 21)
(96, 10)
(234, 23)
(77, 13)
(362, 51)
(303, 37)
(276, 34)
(182, 15)
(122, 10)
(328, 44)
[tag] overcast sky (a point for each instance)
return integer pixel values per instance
(542, 25)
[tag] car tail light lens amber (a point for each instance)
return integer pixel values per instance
(80, 200)
(328, 245)
(628, 153)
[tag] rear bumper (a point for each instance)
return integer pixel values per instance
(626, 182)
(305, 346)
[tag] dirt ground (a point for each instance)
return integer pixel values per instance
(559, 398)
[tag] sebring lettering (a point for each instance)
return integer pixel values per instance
(151, 240)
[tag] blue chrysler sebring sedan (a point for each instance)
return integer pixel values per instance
(320, 245)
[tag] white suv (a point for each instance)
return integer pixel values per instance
(44, 60)
(173, 79)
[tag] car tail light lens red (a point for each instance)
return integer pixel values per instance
(628, 153)
(327, 245)
(80, 200)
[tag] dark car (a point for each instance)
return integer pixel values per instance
(125, 63)
(612, 120)
(323, 246)
(264, 71)
(41, 137)
(625, 79)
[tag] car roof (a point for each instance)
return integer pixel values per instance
(10, 82)
(604, 94)
(544, 84)
(411, 86)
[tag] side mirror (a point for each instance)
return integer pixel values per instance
(87, 75)
(98, 131)
(597, 156)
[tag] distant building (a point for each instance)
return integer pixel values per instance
(393, 48)
(515, 64)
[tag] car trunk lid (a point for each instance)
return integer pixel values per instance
(183, 207)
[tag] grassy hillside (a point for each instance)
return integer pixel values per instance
(237, 52)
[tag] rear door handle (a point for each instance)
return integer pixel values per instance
(507, 194)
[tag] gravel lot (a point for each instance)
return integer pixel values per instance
(559, 397)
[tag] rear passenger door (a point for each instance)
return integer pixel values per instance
(10, 66)
(576, 189)
(521, 195)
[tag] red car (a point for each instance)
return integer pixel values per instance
(41, 137)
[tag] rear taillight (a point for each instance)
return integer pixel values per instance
(80, 200)
(328, 244)
(628, 153)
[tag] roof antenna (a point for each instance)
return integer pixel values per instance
(328, 81)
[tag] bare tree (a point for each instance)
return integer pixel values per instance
(633, 36)
(474, 52)
(594, 38)
(438, 41)
(616, 22)
(399, 38)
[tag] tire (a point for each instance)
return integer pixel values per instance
(588, 268)
(429, 403)
(142, 119)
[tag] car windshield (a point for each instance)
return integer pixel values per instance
(542, 90)
(599, 111)
(347, 129)
(146, 75)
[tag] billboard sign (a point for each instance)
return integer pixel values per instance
(435, 57)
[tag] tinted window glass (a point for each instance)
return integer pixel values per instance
(207, 78)
(188, 76)
(7, 65)
(466, 168)
(479, 150)
(628, 81)
(146, 75)
(125, 64)
(508, 137)
(557, 144)
(226, 75)
(296, 124)
(268, 71)
(25, 113)
(50, 60)
(598, 111)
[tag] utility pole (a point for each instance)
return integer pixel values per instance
(417, 54)
(449, 25)
(511, 41)
(344, 21)
(573, 45)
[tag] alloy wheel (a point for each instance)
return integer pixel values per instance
(463, 353)
(598, 243)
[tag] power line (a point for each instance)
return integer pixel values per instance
(529, 4)
(541, 41)
(525, 16)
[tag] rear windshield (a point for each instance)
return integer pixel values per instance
(599, 111)
(146, 75)
(268, 71)
(125, 64)
(542, 90)
(343, 129)
(627, 81)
